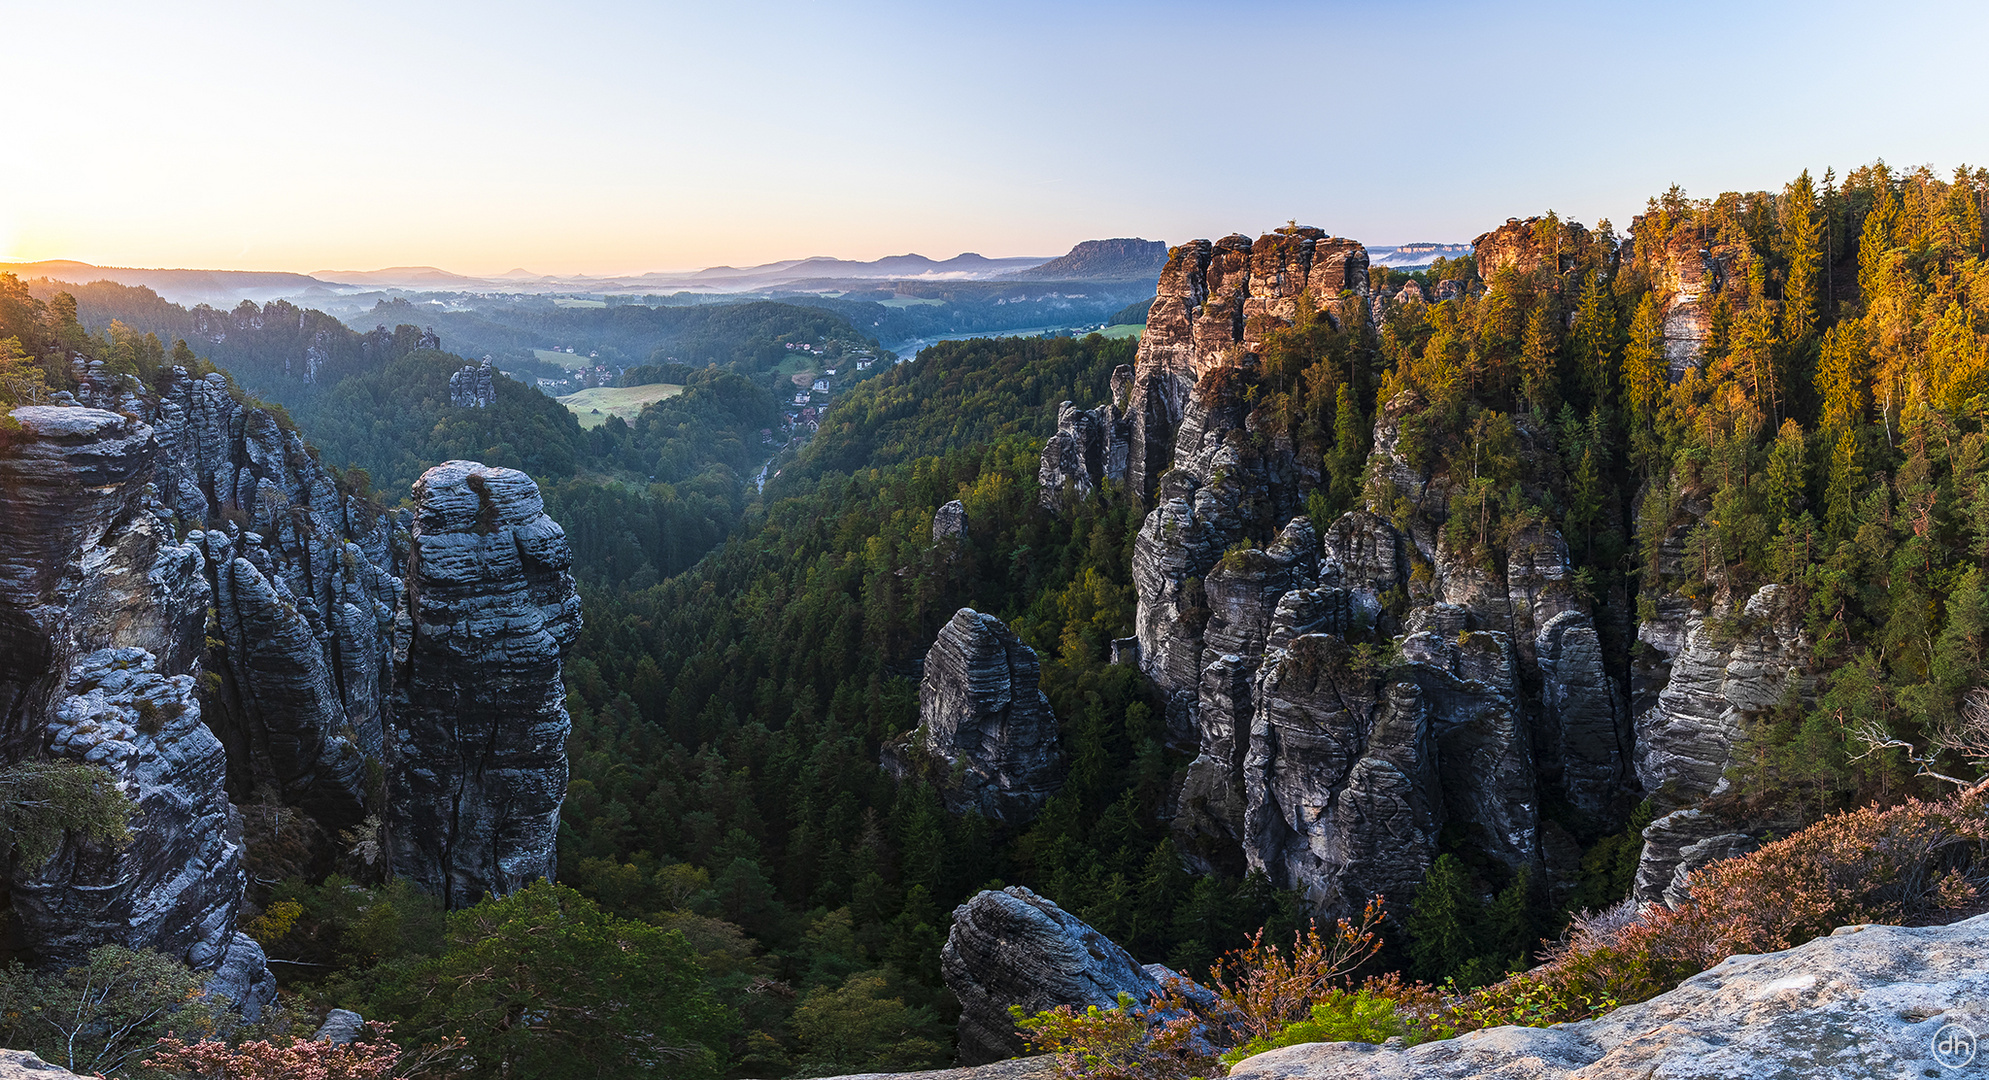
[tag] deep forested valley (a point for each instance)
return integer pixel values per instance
(1748, 430)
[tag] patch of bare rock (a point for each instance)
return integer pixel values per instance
(1865, 1002)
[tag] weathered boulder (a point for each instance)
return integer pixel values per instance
(1866, 1001)
(1014, 947)
(984, 722)
(1041, 1067)
(476, 761)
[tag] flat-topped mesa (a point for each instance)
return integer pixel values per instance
(984, 725)
(1215, 301)
(476, 764)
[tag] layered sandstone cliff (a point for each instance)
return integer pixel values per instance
(190, 601)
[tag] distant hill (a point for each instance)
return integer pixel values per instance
(222, 288)
(1418, 254)
(420, 277)
(1103, 260)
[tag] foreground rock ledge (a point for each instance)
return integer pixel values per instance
(1865, 1002)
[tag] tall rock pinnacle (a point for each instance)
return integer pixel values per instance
(476, 762)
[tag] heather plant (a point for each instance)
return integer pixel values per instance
(373, 1056)
(1260, 990)
(1360, 1015)
(1907, 863)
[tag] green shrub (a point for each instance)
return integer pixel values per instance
(1345, 1016)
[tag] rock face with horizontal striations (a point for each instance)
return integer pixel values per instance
(477, 760)
(1014, 947)
(190, 601)
(100, 611)
(984, 724)
(1866, 1001)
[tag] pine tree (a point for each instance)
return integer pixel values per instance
(1595, 339)
(1645, 370)
(1846, 487)
(1784, 481)
(1445, 921)
(1800, 235)
(1841, 377)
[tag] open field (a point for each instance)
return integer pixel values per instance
(572, 302)
(910, 301)
(1123, 330)
(596, 405)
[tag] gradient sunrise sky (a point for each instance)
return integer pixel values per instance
(622, 137)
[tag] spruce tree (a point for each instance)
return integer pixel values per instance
(1445, 921)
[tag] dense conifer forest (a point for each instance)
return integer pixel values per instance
(748, 655)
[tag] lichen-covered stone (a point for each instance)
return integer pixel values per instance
(1014, 947)
(984, 723)
(476, 760)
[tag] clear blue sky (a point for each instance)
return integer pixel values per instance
(616, 137)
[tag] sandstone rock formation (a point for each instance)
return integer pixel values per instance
(1721, 667)
(189, 600)
(1090, 446)
(949, 522)
(22, 1065)
(1014, 947)
(470, 387)
(1331, 773)
(1527, 247)
(477, 757)
(93, 593)
(1867, 1001)
(984, 724)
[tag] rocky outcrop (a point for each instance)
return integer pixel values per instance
(471, 386)
(949, 522)
(1721, 668)
(1014, 947)
(984, 723)
(1528, 247)
(1689, 272)
(1202, 319)
(23, 1065)
(1865, 1001)
(190, 601)
(1089, 448)
(477, 755)
(97, 605)
(1681, 842)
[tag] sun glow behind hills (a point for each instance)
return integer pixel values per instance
(624, 137)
